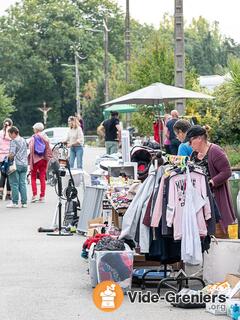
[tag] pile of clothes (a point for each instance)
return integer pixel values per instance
(104, 242)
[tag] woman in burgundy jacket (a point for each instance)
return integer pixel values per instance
(217, 167)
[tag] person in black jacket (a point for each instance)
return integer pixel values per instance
(112, 131)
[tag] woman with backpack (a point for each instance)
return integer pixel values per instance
(4, 151)
(40, 154)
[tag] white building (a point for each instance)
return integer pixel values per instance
(212, 81)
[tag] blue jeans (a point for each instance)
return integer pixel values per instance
(111, 147)
(76, 152)
(18, 184)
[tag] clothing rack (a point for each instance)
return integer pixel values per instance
(163, 242)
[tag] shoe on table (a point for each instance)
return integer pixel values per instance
(42, 199)
(12, 205)
(34, 199)
(24, 205)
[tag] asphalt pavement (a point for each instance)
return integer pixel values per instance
(45, 278)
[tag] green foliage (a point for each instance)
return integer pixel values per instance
(6, 104)
(233, 153)
(228, 104)
(155, 63)
(143, 120)
(38, 36)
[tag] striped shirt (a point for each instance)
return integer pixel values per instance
(18, 147)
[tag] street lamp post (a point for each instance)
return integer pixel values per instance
(106, 30)
(127, 42)
(106, 63)
(77, 57)
(77, 80)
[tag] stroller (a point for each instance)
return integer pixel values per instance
(143, 156)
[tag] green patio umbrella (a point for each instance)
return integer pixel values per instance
(121, 108)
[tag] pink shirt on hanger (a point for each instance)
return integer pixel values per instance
(176, 202)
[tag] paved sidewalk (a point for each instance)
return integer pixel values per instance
(44, 278)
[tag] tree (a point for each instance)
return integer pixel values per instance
(37, 37)
(228, 102)
(6, 104)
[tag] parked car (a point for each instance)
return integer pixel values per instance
(56, 135)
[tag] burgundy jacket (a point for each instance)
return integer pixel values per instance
(220, 172)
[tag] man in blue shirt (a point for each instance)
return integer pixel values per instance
(180, 128)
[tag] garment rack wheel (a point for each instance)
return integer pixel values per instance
(165, 283)
(165, 270)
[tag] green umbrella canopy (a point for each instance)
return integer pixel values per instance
(121, 108)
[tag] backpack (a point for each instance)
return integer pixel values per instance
(39, 145)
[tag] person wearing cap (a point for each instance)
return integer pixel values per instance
(174, 142)
(180, 128)
(216, 165)
(4, 151)
(112, 131)
(38, 161)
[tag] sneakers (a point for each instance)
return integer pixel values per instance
(42, 199)
(12, 205)
(24, 205)
(34, 199)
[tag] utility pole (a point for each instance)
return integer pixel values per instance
(77, 81)
(77, 58)
(106, 85)
(127, 42)
(179, 53)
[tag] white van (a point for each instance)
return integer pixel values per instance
(57, 134)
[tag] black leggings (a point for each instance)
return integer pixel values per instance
(3, 181)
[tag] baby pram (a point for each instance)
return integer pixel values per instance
(143, 156)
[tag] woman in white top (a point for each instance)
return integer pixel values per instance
(75, 141)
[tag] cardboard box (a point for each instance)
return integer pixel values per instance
(234, 281)
(98, 220)
(92, 232)
(139, 257)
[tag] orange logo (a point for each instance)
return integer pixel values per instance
(108, 296)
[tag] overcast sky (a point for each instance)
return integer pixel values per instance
(151, 11)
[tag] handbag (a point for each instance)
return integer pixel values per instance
(12, 167)
(4, 166)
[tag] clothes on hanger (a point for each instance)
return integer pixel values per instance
(173, 203)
